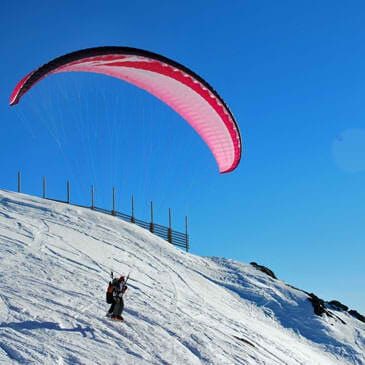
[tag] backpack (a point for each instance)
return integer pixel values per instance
(109, 293)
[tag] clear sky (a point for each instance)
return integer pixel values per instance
(293, 74)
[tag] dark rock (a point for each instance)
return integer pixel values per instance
(357, 315)
(244, 340)
(264, 269)
(319, 307)
(335, 304)
(318, 304)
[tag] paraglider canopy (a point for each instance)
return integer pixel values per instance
(177, 86)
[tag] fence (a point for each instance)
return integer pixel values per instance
(174, 237)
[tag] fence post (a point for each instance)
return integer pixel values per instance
(113, 202)
(92, 197)
(186, 234)
(68, 191)
(133, 220)
(152, 227)
(169, 230)
(19, 181)
(44, 187)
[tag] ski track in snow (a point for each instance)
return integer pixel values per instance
(180, 308)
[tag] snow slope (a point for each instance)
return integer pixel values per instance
(180, 308)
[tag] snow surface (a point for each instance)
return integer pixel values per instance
(180, 308)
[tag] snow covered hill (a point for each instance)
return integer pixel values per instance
(55, 261)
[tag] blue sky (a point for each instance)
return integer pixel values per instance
(293, 75)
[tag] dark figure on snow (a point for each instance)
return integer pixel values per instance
(114, 296)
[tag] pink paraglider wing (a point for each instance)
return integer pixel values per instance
(177, 86)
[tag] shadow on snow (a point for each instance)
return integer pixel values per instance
(37, 325)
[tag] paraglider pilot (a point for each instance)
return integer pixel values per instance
(114, 296)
